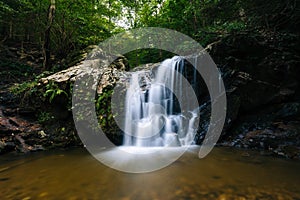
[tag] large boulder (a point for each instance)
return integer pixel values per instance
(53, 95)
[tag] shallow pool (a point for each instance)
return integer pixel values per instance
(223, 174)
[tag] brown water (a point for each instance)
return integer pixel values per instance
(223, 174)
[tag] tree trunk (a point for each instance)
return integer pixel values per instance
(10, 29)
(46, 46)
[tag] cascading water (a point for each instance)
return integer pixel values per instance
(153, 114)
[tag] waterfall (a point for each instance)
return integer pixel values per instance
(153, 114)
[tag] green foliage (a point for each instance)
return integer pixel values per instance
(103, 108)
(5, 8)
(144, 56)
(77, 23)
(213, 33)
(19, 89)
(208, 20)
(44, 117)
(27, 87)
(205, 21)
(53, 90)
(14, 69)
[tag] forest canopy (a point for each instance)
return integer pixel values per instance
(59, 27)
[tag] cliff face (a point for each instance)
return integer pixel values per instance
(261, 76)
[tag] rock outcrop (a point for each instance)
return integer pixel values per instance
(261, 79)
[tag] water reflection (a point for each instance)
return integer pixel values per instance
(224, 174)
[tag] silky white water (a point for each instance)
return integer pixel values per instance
(153, 112)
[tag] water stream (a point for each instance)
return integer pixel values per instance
(223, 174)
(154, 116)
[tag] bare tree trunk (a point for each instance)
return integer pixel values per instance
(10, 29)
(46, 46)
(195, 21)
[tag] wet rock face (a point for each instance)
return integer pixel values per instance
(14, 129)
(278, 138)
(107, 74)
(260, 76)
(289, 110)
(268, 57)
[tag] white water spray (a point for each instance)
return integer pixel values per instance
(153, 114)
